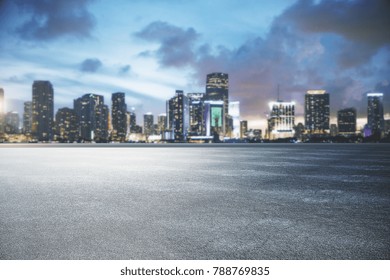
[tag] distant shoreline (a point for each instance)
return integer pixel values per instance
(168, 145)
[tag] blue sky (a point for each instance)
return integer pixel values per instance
(148, 49)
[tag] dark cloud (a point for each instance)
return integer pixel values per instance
(363, 24)
(176, 44)
(384, 87)
(312, 45)
(47, 20)
(90, 65)
(360, 21)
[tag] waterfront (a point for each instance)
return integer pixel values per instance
(266, 201)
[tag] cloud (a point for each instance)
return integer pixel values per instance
(90, 65)
(362, 24)
(48, 20)
(312, 44)
(176, 44)
(125, 69)
(359, 21)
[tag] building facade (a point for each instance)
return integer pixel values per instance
(375, 117)
(161, 123)
(196, 105)
(178, 116)
(217, 89)
(243, 129)
(27, 117)
(67, 130)
(118, 116)
(282, 119)
(12, 123)
(2, 110)
(317, 112)
(42, 110)
(346, 121)
(148, 124)
(234, 113)
(92, 117)
(214, 118)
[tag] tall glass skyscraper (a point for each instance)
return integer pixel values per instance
(118, 116)
(234, 112)
(42, 110)
(197, 126)
(92, 117)
(375, 119)
(66, 125)
(148, 124)
(317, 111)
(27, 117)
(2, 110)
(217, 89)
(178, 116)
(346, 121)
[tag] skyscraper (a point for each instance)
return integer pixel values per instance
(375, 119)
(12, 122)
(132, 121)
(346, 121)
(234, 112)
(243, 129)
(281, 121)
(148, 124)
(27, 117)
(162, 123)
(317, 111)
(92, 117)
(119, 118)
(2, 123)
(42, 110)
(66, 125)
(178, 116)
(217, 89)
(214, 118)
(196, 107)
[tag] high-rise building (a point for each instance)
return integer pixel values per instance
(27, 117)
(2, 123)
(375, 118)
(161, 123)
(148, 124)
(42, 110)
(333, 130)
(119, 117)
(217, 89)
(234, 112)
(214, 118)
(243, 129)
(196, 107)
(346, 121)
(317, 111)
(132, 122)
(66, 125)
(92, 117)
(12, 123)
(281, 120)
(2, 105)
(178, 116)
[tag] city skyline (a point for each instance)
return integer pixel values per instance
(157, 48)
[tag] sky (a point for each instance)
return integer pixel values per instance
(149, 49)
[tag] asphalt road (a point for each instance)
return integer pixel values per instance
(282, 201)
